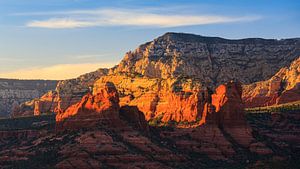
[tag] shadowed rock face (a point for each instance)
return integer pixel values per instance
(134, 116)
(229, 105)
(283, 87)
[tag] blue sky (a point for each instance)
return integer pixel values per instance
(58, 39)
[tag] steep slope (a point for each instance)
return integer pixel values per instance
(212, 60)
(101, 104)
(205, 61)
(283, 87)
(170, 99)
(66, 93)
(14, 92)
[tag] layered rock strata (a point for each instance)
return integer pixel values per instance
(210, 61)
(283, 87)
(101, 105)
(14, 92)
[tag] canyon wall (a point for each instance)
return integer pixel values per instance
(212, 60)
(283, 87)
(14, 92)
(179, 68)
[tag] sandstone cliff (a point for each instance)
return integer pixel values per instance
(66, 93)
(212, 60)
(173, 99)
(102, 105)
(283, 87)
(14, 92)
(171, 58)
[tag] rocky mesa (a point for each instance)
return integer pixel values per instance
(180, 69)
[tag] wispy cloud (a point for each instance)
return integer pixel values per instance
(55, 72)
(125, 17)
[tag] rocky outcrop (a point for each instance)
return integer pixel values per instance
(230, 117)
(212, 60)
(135, 117)
(283, 87)
(223, 141)
(208, 61)
(14, 92)
(66, 93)
(228, 104)
(174, 99)
(71, 91)
(102, 105)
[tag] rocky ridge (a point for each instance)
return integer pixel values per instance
(170, 60)
(283, 87)
(66, 93)
(212, 60)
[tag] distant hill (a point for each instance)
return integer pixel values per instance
(13, 91)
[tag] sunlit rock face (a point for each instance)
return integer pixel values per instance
(212, 60)
(66, 93)
(101, 105)
(228, 104)
(172, 99)
(283, 87)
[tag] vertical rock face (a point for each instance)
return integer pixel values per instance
(14, 92)
(71, 91)
(134, 116)
(228, 103)
(47, 103)
(103, 104)
(212, 60)
(283, 87)
(66, 93)
(173, 99)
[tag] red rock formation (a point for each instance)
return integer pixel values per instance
(228, 103)
(134, 116)
(102, 105)
(283, 87)
(174, 99)
(46, 104)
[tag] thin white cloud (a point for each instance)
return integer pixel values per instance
(55, 72)
(124, 17)
(60, 23)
